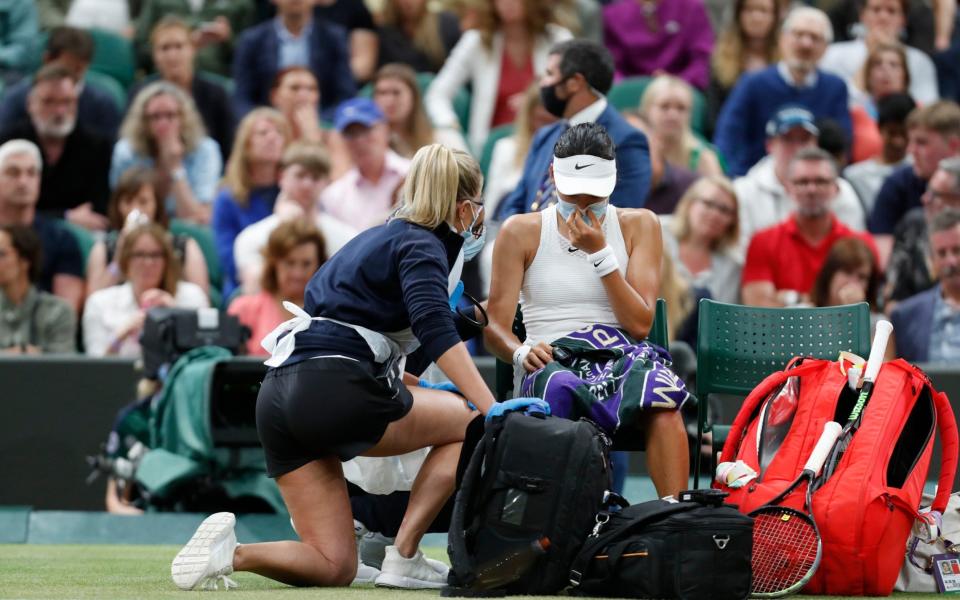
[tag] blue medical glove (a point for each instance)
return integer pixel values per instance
(527, 405)
(456, 295)
(445, 386)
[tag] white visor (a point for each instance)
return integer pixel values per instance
(585, 174)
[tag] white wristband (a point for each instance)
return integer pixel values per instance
(520, 354)
(604, 261)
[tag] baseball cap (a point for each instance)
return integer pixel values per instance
(788, 117)
(357, 110)
(585, 174)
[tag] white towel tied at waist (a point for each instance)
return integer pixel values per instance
(280, 349)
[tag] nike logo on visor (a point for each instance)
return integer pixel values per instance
(578, 166)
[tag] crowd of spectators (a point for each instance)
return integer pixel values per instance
(802, 153)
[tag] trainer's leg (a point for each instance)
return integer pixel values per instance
(316, 496)
(667, 454)
(437, 419)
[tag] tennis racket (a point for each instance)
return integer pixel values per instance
(786, 542)
(874, 362)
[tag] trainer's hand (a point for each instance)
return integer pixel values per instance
(524, 404)
(538, 357)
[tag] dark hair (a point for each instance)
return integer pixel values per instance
(894, 108)
(904, 6)
(832, 137)
(815, 155)
(129, 184)
(945, 220)
(26, 243)
(590, 59)
(282, 241)
(585, 138)
(53, 72)
(69, 40)
(282, 73)
(846, 254)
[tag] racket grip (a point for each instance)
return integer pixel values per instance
(877, 350)
(831, 431)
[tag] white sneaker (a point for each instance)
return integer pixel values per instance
(208, 556)
(365, 573)
(415, 573)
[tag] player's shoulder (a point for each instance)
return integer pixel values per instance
(637, 219)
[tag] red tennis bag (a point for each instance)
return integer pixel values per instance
(866, 508)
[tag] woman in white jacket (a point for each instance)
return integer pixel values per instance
(499, 60)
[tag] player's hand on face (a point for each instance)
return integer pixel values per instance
(586, 236)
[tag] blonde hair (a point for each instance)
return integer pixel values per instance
(675, 290)
(729, 53)
(437, 179)
(680, 224)
(236, 176)
(134, 128)
(659, 86)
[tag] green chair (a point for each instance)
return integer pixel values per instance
(113, 56)
(111, 86)
(626, 95)
(496, 134)
(85, 240)
(461, 101)
(626, 438)
(738, 346)
(204, 238)
(225, 82)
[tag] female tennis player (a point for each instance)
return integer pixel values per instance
(584, 263)
(337, 390)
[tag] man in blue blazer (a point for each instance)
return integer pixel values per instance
(927, 325)
(293, 38)
(579, 73)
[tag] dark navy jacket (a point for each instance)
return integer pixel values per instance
(633, 165)
(386, 279)
(912, 319)
(256, 58)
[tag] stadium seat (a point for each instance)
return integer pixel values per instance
(738, 346)
(221, 80)
(85, 240)
(626, 438)
(625, 95)
(109, 85)
(496, 134)
(204, 238)
(113, 56)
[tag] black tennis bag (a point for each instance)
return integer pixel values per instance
(527, 501)
(693, 549)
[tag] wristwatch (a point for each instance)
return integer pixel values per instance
(179, 174)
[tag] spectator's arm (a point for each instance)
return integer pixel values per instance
(121, 160)
(59, 333)
(22, 30)
(99, 273)
(944, 13)
(731, 124)
(761, 293)
(364, 45)
(195, 267)
(244, 70)
(633, 172)
(923, 80)
(70, 288)
(195, 193)
(455, 73)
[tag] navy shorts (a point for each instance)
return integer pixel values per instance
(322, 407)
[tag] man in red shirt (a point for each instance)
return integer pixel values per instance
(783, 260)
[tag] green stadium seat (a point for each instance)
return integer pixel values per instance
(85, 240)
(496, 134)
(221, 80)
(738, 346)
(113, 56)
(111, 86)
(204, 238)
(626, 93)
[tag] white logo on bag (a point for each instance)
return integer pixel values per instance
(721, 541)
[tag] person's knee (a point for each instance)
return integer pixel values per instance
(341, 564)
(664, 420)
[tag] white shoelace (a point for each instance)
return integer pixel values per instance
(212, 581)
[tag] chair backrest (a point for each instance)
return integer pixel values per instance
(204, 238)
(113, 56)
(110, 86)
(496, 134)
(626, 94)
(85, 240)
(738, 346)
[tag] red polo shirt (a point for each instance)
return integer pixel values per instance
(780, 254)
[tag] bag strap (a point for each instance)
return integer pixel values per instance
(656, 511)
(758, 396)
(950, 444)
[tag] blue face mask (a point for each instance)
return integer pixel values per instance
(472, 245)
(599, 209)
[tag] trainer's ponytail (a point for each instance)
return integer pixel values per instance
(437, 179)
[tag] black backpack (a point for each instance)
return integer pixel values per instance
(527, 501)
(695, 549)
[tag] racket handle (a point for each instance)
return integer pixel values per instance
(877, 350)
(831, 431)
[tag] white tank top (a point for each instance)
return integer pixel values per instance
(560, 291)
